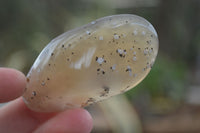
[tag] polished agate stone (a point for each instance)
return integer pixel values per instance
(85, 65)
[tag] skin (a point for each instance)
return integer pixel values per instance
(15, 117)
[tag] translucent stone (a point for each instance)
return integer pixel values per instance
(88, 64)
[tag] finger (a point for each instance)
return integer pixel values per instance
(12, 84)
(70, 121)
(16, 117)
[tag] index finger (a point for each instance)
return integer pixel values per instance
(12, 84)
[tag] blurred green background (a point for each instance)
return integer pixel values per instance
(168, 100)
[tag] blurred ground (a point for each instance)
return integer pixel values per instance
(167, 101)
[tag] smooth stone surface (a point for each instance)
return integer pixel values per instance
(88, 64)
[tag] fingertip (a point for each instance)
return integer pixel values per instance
(69, 121)
(12, 84)
(82, 119)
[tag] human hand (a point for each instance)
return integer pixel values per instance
(15, 117)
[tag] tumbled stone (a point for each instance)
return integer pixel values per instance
(88, 64)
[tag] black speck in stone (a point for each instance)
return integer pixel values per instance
(128, 70)
(106, 89)
(105, 92)
(90, 100)
(103, 72)
(127, 87)
(148, 42)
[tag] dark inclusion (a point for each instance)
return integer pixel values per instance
(121, 54)
(99, 71)
(90, 100)
(148, 42)
(103, 72)
(105, 91)
(128, 70)
(127, 87)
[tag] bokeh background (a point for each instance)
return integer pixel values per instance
(167, 101)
